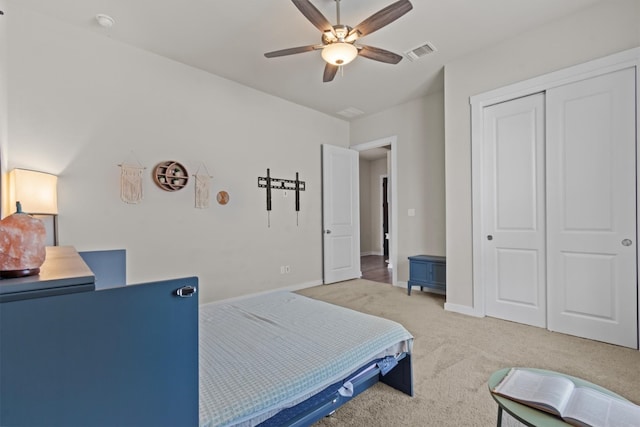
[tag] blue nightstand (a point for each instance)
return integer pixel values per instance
(428, 272)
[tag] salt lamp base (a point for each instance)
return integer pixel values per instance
(12, 274)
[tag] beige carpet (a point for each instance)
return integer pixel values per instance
(454, 355)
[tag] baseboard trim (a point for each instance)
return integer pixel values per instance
(291, 288)
(433, 291)
(462, 309)
(456, 308)
(400, 284)
(371, 253)
(302, 286)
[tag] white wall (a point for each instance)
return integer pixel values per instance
(605, 28)
(378, 168)
(4, 117)
(371, 206)
(419, 127)
(364, 169)
(81, 103)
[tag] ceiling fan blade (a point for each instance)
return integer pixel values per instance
(290, 51)
(330, 71)
(313, 15)
(382, 18)
(378, 54)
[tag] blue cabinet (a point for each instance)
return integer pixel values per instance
(74, 356)
(429, 272)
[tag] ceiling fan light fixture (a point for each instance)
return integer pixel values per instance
(338, 41)
(352, 36)
(339, 53)
(329, 37)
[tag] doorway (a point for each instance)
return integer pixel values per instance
(378, 222)
(375, 263)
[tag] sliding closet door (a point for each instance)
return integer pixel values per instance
(591, 166)
(514, 210)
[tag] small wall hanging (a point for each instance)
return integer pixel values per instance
(203, 188)
(281, 184)
(131, 182)
(222, 197)
(170, 176)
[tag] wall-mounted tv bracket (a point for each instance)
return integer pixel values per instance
(281, 184)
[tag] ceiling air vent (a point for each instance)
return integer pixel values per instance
(420, 51)
(350, 112)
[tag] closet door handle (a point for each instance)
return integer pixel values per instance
(489, 237)
(328, 231)
(626, 242)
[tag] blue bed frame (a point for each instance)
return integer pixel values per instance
(327, 402)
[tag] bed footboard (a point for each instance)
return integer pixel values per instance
(323, 404)
(401, 377)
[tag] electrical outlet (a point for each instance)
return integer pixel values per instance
(287, 269)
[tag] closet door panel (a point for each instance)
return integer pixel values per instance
(513, 203)
(585, 274)
(587, 159)
(591, 208)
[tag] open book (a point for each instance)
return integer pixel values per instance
(576, 405)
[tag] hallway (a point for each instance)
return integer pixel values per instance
(374, 268)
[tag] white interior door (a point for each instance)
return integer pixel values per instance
(514, 211)
(340, 214)
(591, 190)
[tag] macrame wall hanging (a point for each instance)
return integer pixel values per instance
(203, 188)
(131, 182)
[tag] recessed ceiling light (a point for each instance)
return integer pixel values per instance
(104, 20)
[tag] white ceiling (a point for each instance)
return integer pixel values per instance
(229, 38)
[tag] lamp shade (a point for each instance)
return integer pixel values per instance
(36, 191)
(339, 53)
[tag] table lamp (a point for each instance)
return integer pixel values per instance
(38, 194)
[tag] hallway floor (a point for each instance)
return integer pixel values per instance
(374, 268)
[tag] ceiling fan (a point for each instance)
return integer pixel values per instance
(339, 41)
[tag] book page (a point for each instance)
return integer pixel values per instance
(547, 392)
(593, 408)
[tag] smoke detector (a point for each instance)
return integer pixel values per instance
(105, 20)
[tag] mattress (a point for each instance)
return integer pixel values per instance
(261, 354)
